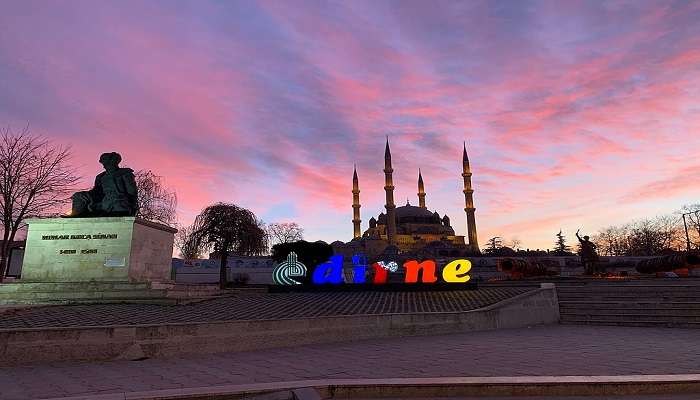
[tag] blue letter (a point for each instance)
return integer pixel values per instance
(359, 263)
(330, 271)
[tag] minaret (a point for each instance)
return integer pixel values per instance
(389, 188)
(421, 191)
(355, 205)
(469, 202)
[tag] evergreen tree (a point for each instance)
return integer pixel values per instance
(560, 246)
(493, 244)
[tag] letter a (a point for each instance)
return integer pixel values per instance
(330, 271)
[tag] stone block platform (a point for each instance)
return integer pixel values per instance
(124, 249)
(98, 260)
(53, 293)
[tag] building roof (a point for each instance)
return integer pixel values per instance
(412, 211)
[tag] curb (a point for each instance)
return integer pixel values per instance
(616, 385)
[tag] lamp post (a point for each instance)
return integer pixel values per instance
(685, 224)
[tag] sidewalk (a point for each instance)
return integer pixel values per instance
(539, 351)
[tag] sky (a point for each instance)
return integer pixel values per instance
(576, 114)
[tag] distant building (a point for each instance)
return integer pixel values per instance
(238, 261)
(410, 229)
(14, 262)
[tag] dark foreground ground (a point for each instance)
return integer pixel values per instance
(538, 351)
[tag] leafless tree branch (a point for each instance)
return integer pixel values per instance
(36, 179)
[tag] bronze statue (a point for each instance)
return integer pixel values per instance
(588, 254)
(114, 193)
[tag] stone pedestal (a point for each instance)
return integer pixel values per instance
(108, 249)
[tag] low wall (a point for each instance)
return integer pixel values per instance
(256, 276)
(27, 346)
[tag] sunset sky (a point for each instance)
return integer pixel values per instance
(575, 113)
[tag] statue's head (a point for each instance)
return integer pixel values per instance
(110, 160)
(586, 237)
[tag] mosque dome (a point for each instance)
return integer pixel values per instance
(412, 211)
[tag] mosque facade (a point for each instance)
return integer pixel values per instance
(410, 229)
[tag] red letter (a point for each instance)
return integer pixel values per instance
(380, 274)
(412, 268)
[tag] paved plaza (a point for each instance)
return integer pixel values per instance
(536, 351)
(258, 307)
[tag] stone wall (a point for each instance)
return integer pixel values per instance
(27, 346)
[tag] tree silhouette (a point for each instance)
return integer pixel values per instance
(228, 228)
(36, 178)
(285, 232)
(155, 202)
(560, 246)
(493, 244)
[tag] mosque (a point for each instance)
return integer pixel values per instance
(408, 229)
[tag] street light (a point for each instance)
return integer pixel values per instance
(685, 224)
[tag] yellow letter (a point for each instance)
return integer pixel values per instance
(457, 271)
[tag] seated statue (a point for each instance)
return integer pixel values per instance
(114, 193)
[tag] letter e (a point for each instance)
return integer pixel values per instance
(457, 271)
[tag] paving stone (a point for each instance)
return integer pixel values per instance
(546, 350)
(259, 306)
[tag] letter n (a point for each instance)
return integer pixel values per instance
(330, 271)
(413, 267)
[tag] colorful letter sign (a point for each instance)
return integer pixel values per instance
(331, 272)
(283, 273)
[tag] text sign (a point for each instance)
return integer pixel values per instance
(79, 237)
(331, 272)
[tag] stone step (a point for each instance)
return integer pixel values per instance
(628, 292)
(626, 295)
(676, 317)
(629, 305)
(630, 288)
(86, 295)
(622, 322)
(33, 287)
(694, 283)
(641, 301)
(630, 299)
(53, 302)
(630, 311)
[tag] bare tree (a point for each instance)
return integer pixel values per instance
(285, 232)
(645, 237)
(515, 243)
(189, 244)
(155, 202)
(35, 180)
(611, 241)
